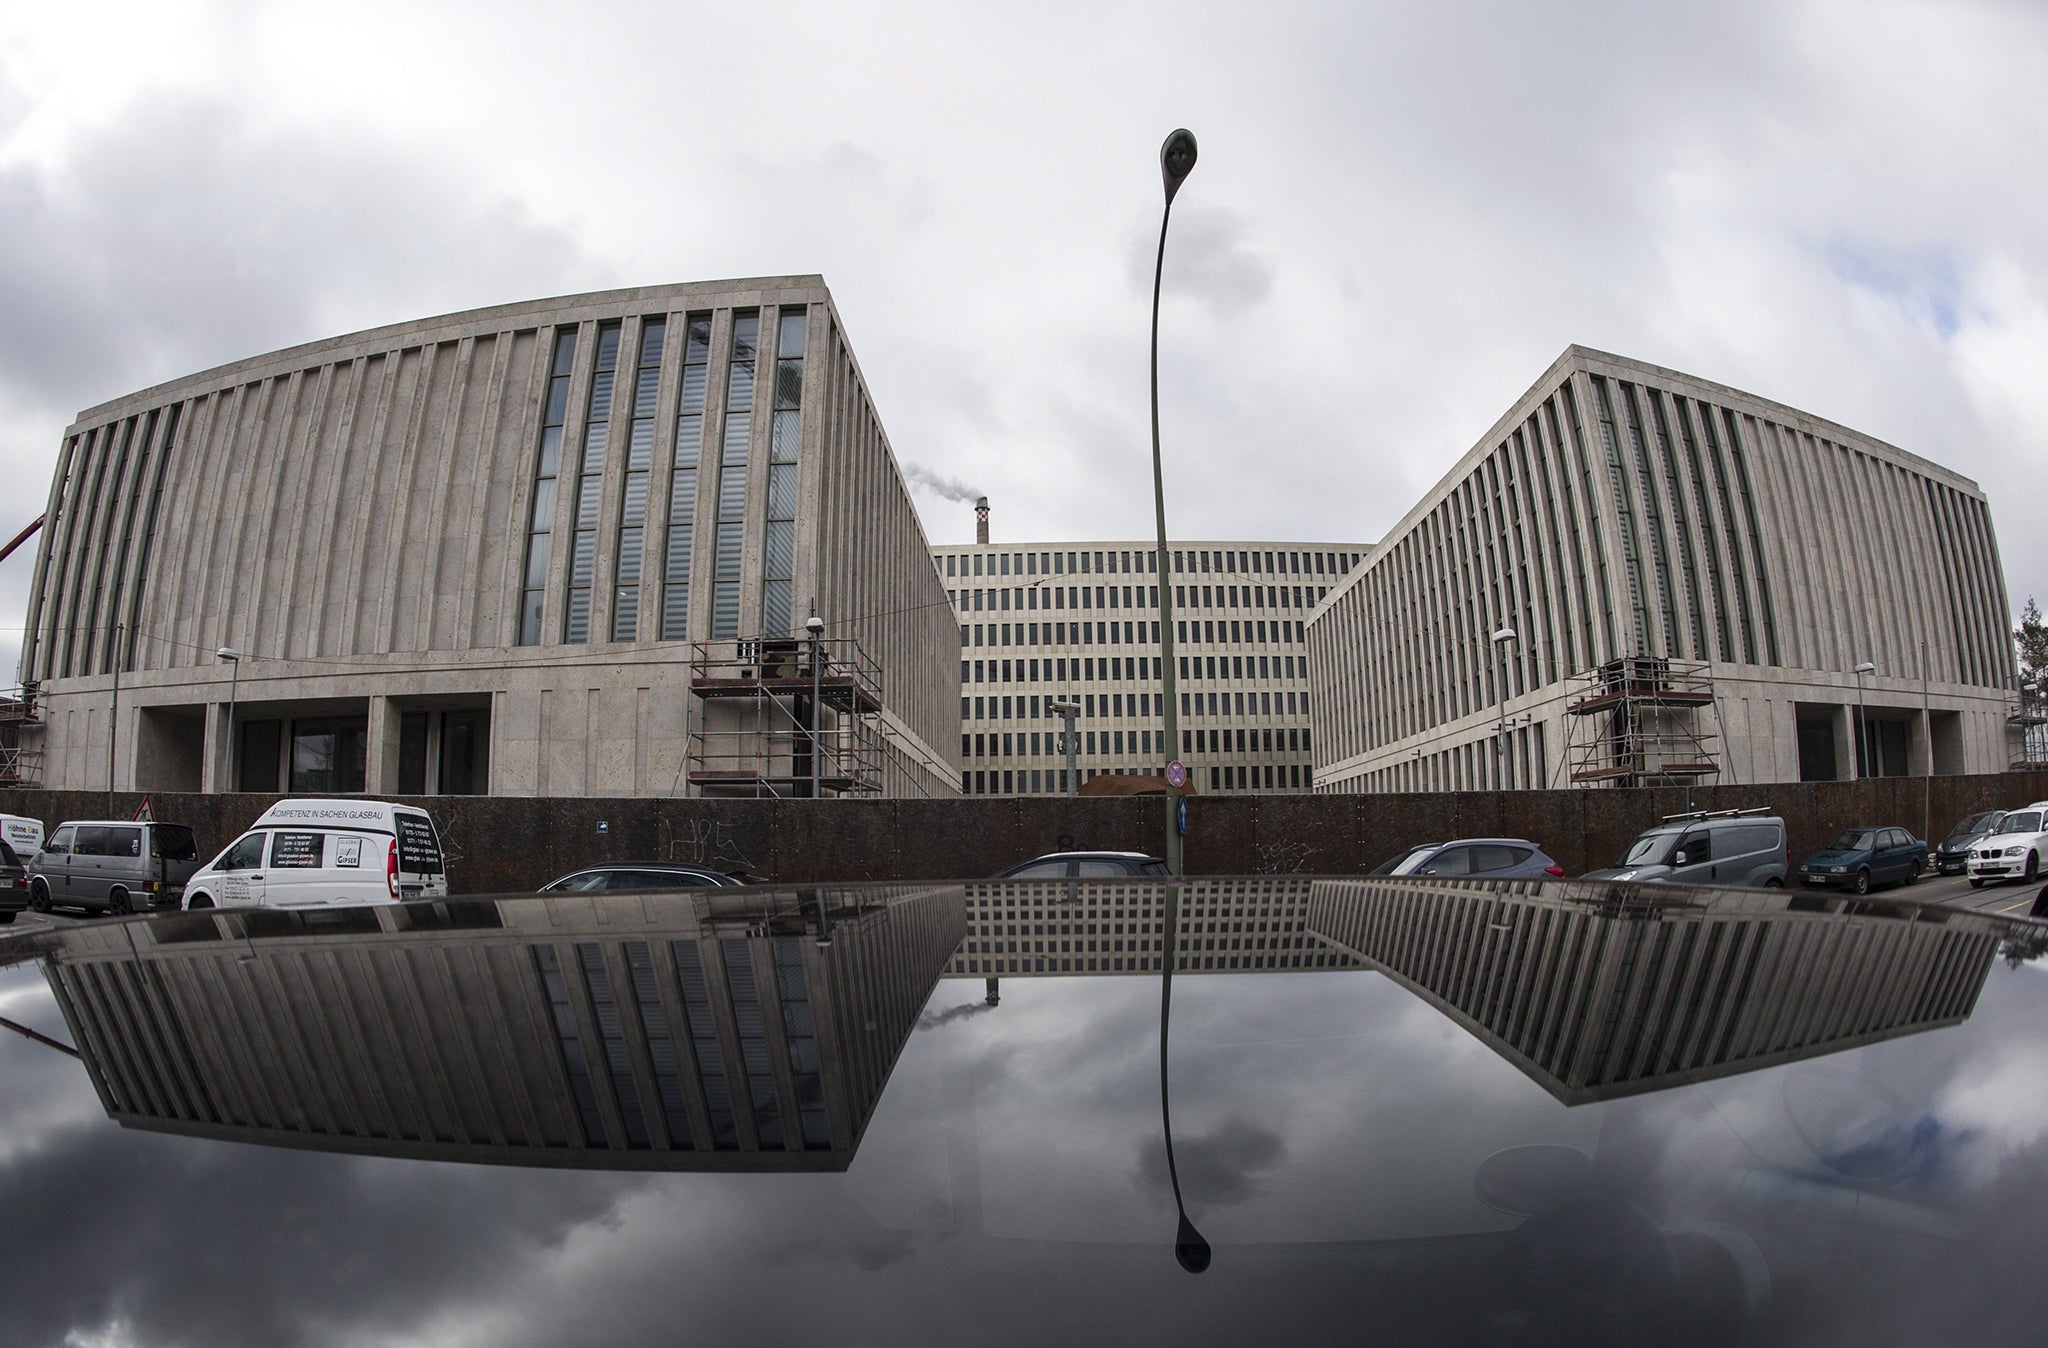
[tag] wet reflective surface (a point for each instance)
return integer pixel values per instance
(1414, 1111)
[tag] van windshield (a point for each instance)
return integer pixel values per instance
(1652, 849)
(173, 842)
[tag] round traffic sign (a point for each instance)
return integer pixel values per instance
(1176, 774)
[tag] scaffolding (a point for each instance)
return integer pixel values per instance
(1643, 721)
(772, 721)
(2027, 718)
(18, 766)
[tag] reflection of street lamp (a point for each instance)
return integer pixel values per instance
(1067, 711)
(234, 659)
(1176, 162)
(1862, 722)
(1502, 772)
(1190, 1250)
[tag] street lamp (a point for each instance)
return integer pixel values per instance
(1176, 162)
(816, 627)
(1502, 772)
(234, 659)
(1067, 711)
(1862, 722)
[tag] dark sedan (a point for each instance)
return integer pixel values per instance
(614, 876)
(1863, 857)
(13, 884)
(1953, 856)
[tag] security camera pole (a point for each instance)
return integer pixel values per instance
(816, 627)
(1176, 161)
(1067, 711)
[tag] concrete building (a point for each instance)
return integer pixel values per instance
(1691, 577)
(566, 547)
(1041, 623)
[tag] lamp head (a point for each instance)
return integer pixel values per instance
(1866, 668)
(227, 653)
(1176, 161)
(1062, 708)
(815, 625)
(1504, 634)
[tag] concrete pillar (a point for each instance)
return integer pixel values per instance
(1845, 744)
(380, 766)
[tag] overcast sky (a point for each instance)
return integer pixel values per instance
(1401, 215)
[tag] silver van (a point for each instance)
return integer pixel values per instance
(112, 866)
(1720, 847)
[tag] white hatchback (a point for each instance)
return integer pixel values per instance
(319, 853)
(2018, 851)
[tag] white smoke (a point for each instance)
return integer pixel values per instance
(950, 488)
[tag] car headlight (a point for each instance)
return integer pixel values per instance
(1836, 870)
(2014, 851)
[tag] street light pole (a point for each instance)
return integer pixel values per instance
(234, 659)
(1863, 754)
(1067, 711)
(1503, 772)
(816, 627)
(1176, 161)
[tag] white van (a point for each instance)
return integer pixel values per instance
(23, 834)
(312, 853)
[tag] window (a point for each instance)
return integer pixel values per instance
(597, 430)
(633, 504)
(547, 465)
(730, 537)
(786, 433)
(682, 490)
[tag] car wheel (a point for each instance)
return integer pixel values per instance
(1976, 882)
(117, 902)
(1863, 882)
(1912, 875)
(1774, 883)
(199, 901)
(2033, 867)
(39, 897)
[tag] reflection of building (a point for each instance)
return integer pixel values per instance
(476, 554)
(1021, 927)
(671, 1033)
(1595, 999)
(1045, 622)
(1692, 575)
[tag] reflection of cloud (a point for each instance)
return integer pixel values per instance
(1218, 1169)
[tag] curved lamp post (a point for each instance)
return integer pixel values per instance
(1176, 161)
(1863, 763)
(234, 659)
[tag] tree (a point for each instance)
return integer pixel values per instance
(2030, 639)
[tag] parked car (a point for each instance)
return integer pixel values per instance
(1084, 866)
(319, 853)
(614, 876)
(2016, 851)
(1719, 847)
(1494, 858)
(1404, 863)
(1866, 856)
(112, 866)
(1952, 857)
(13, 884)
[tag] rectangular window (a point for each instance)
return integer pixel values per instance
(597, 430)
(639, 461)
(547, 465)
(682, 491)
(729, 539)
(786, 432)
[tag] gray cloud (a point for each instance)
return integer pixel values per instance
(1210, 259)
(1220, 1168)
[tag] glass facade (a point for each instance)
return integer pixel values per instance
(633, 501)
(729, 539)
(785, 439)
(682, 485)
(597, 433)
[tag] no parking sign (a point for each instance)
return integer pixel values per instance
(1176, 774)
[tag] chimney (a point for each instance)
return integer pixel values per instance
(981, 519)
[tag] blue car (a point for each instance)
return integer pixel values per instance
(1863, 857)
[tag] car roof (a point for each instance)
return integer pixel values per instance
(1514, 842)
(125, 823)
(1052, 856)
